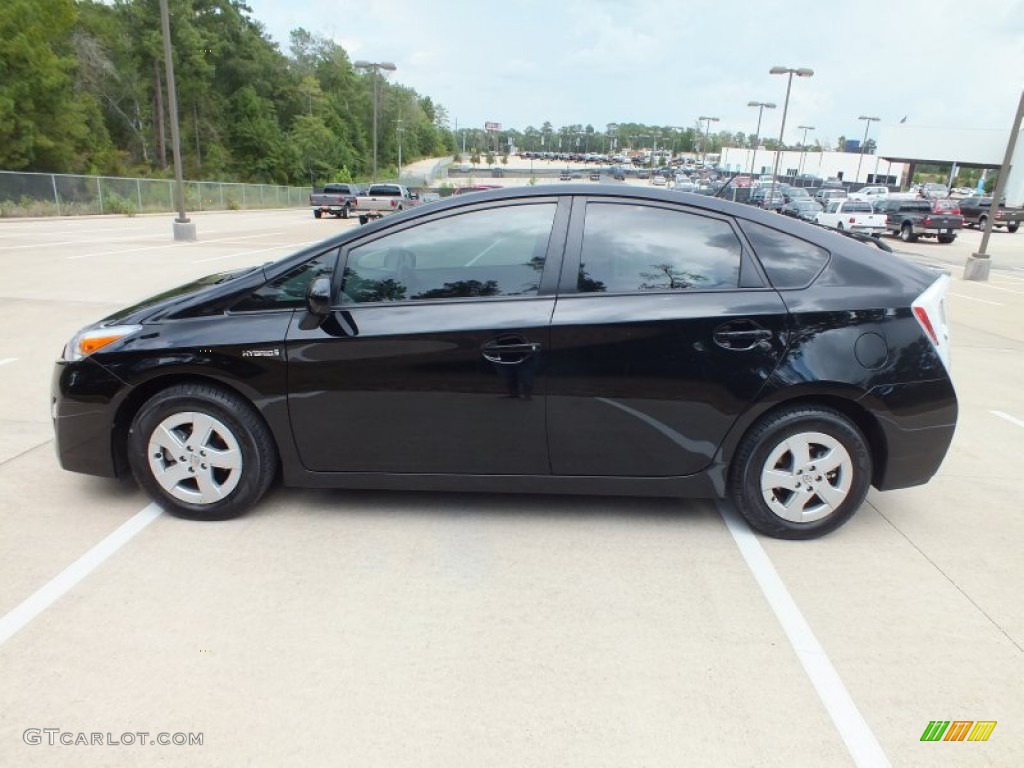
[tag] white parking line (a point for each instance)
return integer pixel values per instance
(175, 245)
(856, 733)
(249, 253)
(1008, 417)
(6, 360)
(971, 298)
(18, 617)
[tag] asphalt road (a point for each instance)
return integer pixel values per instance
(398, 629)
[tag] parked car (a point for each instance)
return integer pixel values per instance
(382, 199)
(932, 189)
(659, 181)
(795, 193)
(802, 208)
(497, 173)
(824, 196)
(976, 210)
(911, 219)
(851, 216)
(566, 175)
(443, 348)
(595, 175)
(870, 193)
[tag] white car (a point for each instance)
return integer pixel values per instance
(658, 181)
(870, 193)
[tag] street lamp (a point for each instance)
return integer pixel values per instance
(398, 130)
(803, 144)
(863, 145)
(799, 72)
(707, 134)
(761, 107)
(375, 67)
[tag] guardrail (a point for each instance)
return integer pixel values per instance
(59, 194)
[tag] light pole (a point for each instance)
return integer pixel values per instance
(863, 144)
(376, 67)
(803, 144)
(707, 134)
(183, 228)
(799, 72)
(398, 130)
(761, 107)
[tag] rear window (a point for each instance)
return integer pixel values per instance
(857, 208)
(789, 261)
(338, 189)
(385, 191)
(915, 205)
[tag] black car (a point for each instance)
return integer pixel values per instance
(802, 208)
(555, 339)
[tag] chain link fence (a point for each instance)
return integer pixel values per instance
(58, 194)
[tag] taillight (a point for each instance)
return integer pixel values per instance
(927, 221)
(394, 203)
(853, 219)
(930, 312)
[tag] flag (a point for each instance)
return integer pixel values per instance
(904, 118)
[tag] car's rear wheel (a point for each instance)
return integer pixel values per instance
(202, 452)
(981, 221)
(907, 234)
(317, 213)
(344, 212)
(947, 238)
(800, 472)
(1012, 227)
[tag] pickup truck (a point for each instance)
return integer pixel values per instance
(334, 200)
(976, 210)
(852, 216)
(381, 199)
(911, 219)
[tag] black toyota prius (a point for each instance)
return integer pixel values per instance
(560, 339)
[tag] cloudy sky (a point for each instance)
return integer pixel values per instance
(946, 63)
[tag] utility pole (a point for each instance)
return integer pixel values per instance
(979, 264)
(184, 229)
(375, 67)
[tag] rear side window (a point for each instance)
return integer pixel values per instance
(789, 261)
(640, 249)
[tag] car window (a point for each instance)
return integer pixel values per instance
(789, 261)
(487, 253)
(288, 290)
(638, 248)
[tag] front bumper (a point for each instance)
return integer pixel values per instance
(83, 405)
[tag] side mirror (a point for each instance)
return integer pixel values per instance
(318, 297)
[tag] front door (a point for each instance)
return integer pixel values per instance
(433, 360)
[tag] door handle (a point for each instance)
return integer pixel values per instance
(511, 353)
(741, 339)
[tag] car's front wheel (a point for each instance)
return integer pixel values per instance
(202, 452)
(800, 472)
(907, 234)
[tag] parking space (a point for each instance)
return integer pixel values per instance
(441, 629)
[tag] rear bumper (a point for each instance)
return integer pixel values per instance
(917, 421)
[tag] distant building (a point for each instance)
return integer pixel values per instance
(825, 165)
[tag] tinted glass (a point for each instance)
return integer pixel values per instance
(857, 208)
(916, 205)
(789, 261)
(495, 252)
(636, 248)
(288, 290)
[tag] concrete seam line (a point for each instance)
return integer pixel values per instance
(18, 617)
(1008, 417)
(853, 728)
(972, 298)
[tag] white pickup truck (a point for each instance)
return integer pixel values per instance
(870, 193)
(852, 216)
(381, 199)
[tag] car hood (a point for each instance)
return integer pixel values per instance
(163, 302)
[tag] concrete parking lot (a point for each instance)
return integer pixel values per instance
(402, 629)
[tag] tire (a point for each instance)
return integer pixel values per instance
(790, 507)
(981, 221)
(839, 226)
(907, 233)
(317, 213)
(947, 238)
(344, 212)
(363, 219)
(185, 484)
(1011, 228)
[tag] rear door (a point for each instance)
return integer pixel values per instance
(664, 331)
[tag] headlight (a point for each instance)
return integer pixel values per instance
(84, 343)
